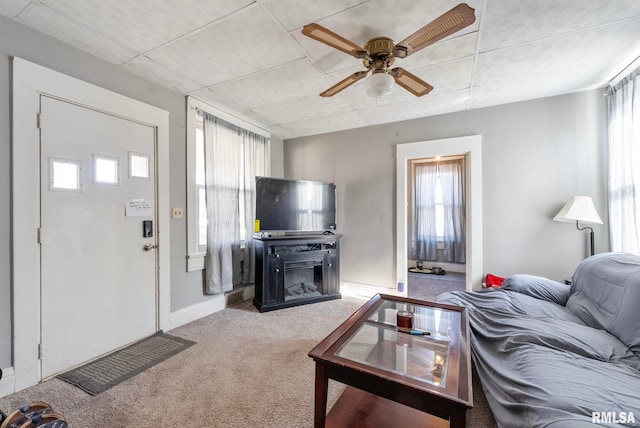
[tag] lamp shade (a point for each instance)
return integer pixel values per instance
(379, 84)
(579, 208)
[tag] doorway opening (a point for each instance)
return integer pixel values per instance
(436, 218)
(469, 147)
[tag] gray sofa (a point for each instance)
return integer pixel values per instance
(554, 355)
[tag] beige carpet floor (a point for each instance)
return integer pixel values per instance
(428, 287)
(247, 370)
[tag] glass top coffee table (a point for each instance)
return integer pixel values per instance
(396, 350)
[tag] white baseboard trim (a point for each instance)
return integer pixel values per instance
(191, 313)
(217, 303)
(364, 290)
(7, 383)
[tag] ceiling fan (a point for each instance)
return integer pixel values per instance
(379, 53)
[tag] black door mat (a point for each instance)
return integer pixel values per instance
(99, 375)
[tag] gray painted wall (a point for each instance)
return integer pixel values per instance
(21, 41)
(535, 155)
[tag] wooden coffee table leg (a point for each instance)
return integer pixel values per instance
(322, 383)
(458, 419)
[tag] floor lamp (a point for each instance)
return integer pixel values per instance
(580, 209)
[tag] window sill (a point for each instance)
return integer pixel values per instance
(195, 262)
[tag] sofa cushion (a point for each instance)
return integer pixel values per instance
(538, 287)
(605, 294)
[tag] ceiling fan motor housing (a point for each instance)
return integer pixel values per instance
(380, 53)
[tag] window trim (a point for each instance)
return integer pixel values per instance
(471, 147)
(195, 257)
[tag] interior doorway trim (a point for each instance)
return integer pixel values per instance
(29, 82)
(471, 147)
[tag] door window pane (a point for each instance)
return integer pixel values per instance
(65, 175)
(138, 165)
(105, 169)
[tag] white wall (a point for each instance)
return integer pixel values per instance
(535, 155)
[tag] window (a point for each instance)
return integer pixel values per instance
(196, 192)
(201, 190)
(139, 165)
(106, 170)
(439, 206)
(65, 175)
(201, 204)
(624, 158)
(439, 209)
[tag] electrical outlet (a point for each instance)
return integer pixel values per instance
(177, 213)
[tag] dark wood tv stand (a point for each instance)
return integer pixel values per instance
(295, 270)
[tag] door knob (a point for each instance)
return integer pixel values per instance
(149, 247)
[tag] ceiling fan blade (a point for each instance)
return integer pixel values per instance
(345, 83)
(456, 19)
(328, 37)
(411, 82)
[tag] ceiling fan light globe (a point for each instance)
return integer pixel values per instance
(379, 84)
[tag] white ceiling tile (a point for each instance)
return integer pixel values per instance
(247, 42)
(396, 19)
(546, 18)
(292, 80)
(146, 24)
(76, 34)
(253, 59)
(253, 117)
(282, 132)
(447, 77)
(159, 74)
(303, 108)
(561, 52)
(417, 107)
(207, 97)
(539, 86)
(295, 13)
(324, 124)
(444, 51)
(12, 8)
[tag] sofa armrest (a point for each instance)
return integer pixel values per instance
(538, 287)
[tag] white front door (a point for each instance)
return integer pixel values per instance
(98, 284)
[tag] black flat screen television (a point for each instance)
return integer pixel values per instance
(295, 205)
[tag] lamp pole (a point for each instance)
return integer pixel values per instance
(591, 238)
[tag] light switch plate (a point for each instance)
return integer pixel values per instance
(177, 213)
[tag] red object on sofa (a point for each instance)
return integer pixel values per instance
(493, 281)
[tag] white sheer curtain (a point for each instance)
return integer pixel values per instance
(426, 236)
(451, 177)
(256, 163)
(453, 201)
(624, 164)
(233, 157)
